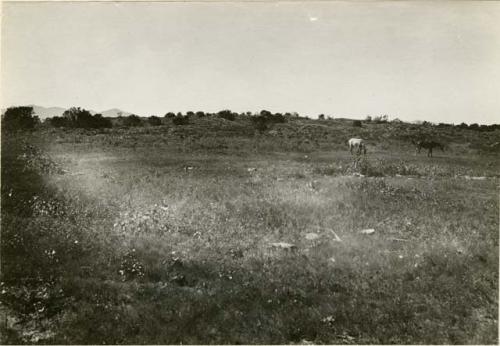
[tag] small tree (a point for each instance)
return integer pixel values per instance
(99, 121)
(321, 117)
(154, 120)
(19, 118)
(78, 117)
(227, 114)
(57, 122)
(132, 121)
(180, 120)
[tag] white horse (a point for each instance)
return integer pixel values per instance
(358, 144)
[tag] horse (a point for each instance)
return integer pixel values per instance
(429, 145)
(358, 144)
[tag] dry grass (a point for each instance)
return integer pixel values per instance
(152, 238)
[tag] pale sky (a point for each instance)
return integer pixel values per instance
(435, 61)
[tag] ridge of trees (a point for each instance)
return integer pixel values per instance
(23, 118)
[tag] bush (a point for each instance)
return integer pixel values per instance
(132, 121)
(180, 120)
(99, 121)
(154, 121)
(19, 118)
(77, 117)
(357, 123)
(57, 122)
(265, 119)
(381, 119)
(227, 114)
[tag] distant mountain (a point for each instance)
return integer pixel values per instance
(47, 112)
(114, 112)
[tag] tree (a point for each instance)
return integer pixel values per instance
(170, 115)
(57, 122)
(321, 117)
(154, 120)
(227, 114)
(19, 118)
(180, 120)
(99, 121)
(200, 114)
(190, 114)
(77, 117)
(132, 121)
(81, 118)
(265, 113)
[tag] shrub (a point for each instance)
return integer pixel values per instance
(80, 118)
(357, 123)
(99, 121)
(19, 118)
(154, 121)
(180, 120)
(261, 122)
(57, 122)
(227, 114)
(132, 121)
(381, 119)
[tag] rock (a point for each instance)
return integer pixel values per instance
(312, 236)
(367, 231)
(283, 245)
(251, 169)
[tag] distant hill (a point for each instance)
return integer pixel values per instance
(115, 112)
(47, 112)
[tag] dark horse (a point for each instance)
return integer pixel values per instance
(429, 145)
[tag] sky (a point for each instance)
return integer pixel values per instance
(434, 61)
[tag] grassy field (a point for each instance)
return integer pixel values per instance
(165, 235)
